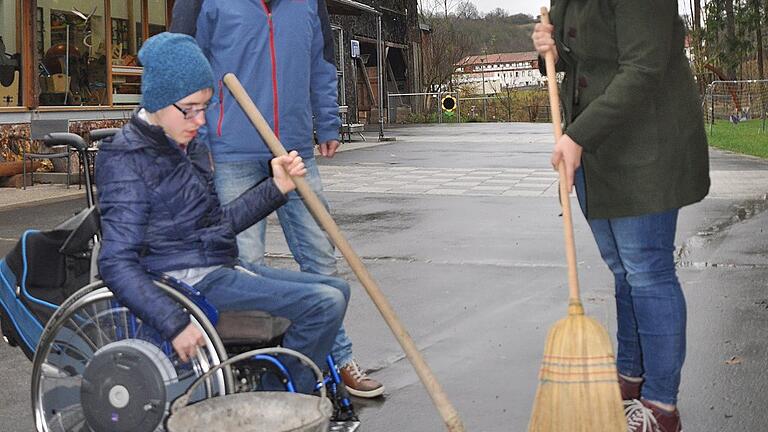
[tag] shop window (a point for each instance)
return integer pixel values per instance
(126, 31)
(85, 55)
(157, 17)
(10, 55)
(71, 45)
(127, 36)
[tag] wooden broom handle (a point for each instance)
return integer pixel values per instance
(565, 201)
(447, 411)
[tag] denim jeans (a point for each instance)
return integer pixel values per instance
(315, 304)
(650, 306)
(309, 244)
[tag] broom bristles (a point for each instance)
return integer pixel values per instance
(578, 383)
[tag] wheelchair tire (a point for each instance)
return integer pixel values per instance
(98, 367)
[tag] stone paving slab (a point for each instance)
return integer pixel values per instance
(438, 181)
(382, 179)
(511, 182)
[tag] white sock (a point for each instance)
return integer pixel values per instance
(665, 407)
(632, 379)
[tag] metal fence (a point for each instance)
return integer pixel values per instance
(421, 108)
(479, 109)
(736, 102)
(518, 105)
(526, 104)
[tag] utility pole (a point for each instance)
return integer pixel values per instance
(759, 39)
(482, 74)
(509, 102)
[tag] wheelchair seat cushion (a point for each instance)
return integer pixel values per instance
(250, 327)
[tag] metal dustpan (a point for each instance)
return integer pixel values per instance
(253, 411)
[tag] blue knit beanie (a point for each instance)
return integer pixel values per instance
(174, 68)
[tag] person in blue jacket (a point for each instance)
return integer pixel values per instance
(160, 212)
(282, 52)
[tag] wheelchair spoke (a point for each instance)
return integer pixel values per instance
(97, 337)
(69, 419)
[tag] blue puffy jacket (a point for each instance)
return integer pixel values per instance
(282, 52)
(160, 212)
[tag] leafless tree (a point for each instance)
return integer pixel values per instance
(467, 10)
(444, 49)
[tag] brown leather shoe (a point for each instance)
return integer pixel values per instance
(643, 416)
(358, 383)
(629, 389)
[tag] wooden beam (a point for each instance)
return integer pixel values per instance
(108, 47)
(367, 81)
(144, 20)
(28, 53)
(132, 48)
(168, 13)
(19, 31)
(390, 72)
(12, 168)
(367, 39)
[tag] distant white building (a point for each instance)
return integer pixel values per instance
(494, 73)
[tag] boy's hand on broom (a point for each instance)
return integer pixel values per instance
(568, 151)
(286, 166)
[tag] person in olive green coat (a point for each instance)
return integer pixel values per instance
(636, 150)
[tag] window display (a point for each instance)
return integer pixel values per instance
(79, 53)
(72, 68)
(10, 55)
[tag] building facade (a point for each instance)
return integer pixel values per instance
(494, 73)
(77, 59)
(356, 25)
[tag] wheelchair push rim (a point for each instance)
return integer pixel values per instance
(99, 368)
(254, 411)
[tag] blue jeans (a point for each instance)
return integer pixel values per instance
(309, 244)
(650, 306)
(315, 304)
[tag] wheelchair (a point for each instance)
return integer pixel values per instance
(96, 366)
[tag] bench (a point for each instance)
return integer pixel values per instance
(352, 128)
(347, 129)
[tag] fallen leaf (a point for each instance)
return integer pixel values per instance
(733, 360)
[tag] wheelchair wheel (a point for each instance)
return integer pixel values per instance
(98, 367)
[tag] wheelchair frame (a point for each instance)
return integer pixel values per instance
(55, 356)
(22, 326)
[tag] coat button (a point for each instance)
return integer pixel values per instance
(571, 32)
(582, 82)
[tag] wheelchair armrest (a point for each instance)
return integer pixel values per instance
(100, 134)
(65, 138)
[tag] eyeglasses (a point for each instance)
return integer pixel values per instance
(190, 113)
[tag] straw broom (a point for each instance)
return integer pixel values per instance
(578, 382)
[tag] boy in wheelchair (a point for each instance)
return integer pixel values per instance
(160, 213)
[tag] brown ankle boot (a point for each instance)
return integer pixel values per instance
(629, 389)
(643, 416)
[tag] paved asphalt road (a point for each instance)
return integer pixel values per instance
(459, 226)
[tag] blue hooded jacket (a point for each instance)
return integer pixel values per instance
(160, 212)
(282, 52)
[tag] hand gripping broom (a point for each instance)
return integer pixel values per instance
(447, 411)
(578, 383)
